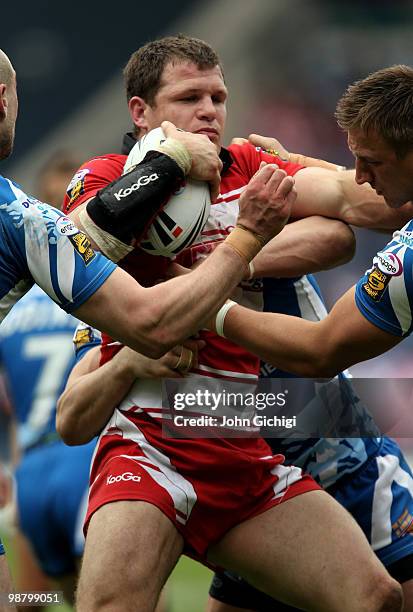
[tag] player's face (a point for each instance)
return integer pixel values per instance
(378, 165)
(193, 99)
(7, 127)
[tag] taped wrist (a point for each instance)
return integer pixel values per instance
(179, 153)
(220, 316)
(127, 206)
(245, 243)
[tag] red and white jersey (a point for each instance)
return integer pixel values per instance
(221, 359)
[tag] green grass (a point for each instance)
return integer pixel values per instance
(187, 588)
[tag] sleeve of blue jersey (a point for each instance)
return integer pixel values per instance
(391, 310)
(2, 551)
(92, 278)
(84, 349)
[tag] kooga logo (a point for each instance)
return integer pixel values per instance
(143, 180)
(126, 476)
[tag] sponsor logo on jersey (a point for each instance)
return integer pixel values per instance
(80, 174)
(66, 227)
(405, 237)
(403, 524)
(143, 180)
(125, 477)
(376, 284)
(77, 186)
(388, 263)
(83, 335)
(82, 246)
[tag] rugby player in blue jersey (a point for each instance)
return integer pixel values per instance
(40, 245)
(374, 316)
(369, 476)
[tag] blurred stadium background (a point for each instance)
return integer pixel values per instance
(286, 64)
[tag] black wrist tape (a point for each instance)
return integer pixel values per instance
(127, 206)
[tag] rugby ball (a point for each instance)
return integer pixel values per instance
(184, 216)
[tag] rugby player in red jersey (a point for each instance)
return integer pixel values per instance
(206, 497)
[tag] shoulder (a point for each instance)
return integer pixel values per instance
(93, 175)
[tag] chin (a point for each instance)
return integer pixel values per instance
(395, 205)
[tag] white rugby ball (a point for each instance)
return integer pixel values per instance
(184, 216)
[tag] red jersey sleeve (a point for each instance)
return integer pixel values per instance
(249, 158)
(92, 176)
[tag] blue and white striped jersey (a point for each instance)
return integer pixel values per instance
(384, 295)
(36, 355)
(326, 459)
(39, 244)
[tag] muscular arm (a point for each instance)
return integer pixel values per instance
(305, 246)
(153, 320)
(92, 392)
(321, 190)
(337, 195)
(306, 348)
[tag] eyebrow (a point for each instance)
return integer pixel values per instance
(194, 90)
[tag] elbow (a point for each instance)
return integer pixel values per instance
(321, 369)
(341, 242)
(320, 365)
(67, 428)
(157, 335)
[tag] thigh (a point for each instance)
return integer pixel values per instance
(304, 550)
(380, 497)
(131, 548)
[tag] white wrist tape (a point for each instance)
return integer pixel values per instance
(179, 153)
(110, 246)
(220, 317)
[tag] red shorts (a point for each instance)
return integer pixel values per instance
(204, 486)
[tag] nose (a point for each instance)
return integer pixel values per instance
(363, 173)
(206, 109)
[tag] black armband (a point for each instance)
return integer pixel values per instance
(127, 206)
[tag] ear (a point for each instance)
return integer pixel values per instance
(137, 109)
(3, 101)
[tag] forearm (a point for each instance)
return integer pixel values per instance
(181, 306)
(287, 342)
(88, 401)
(306, 246)
(153, 320)
(337, 195)
(310, 349)
(362, 207)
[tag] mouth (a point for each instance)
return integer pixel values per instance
(210, 132)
